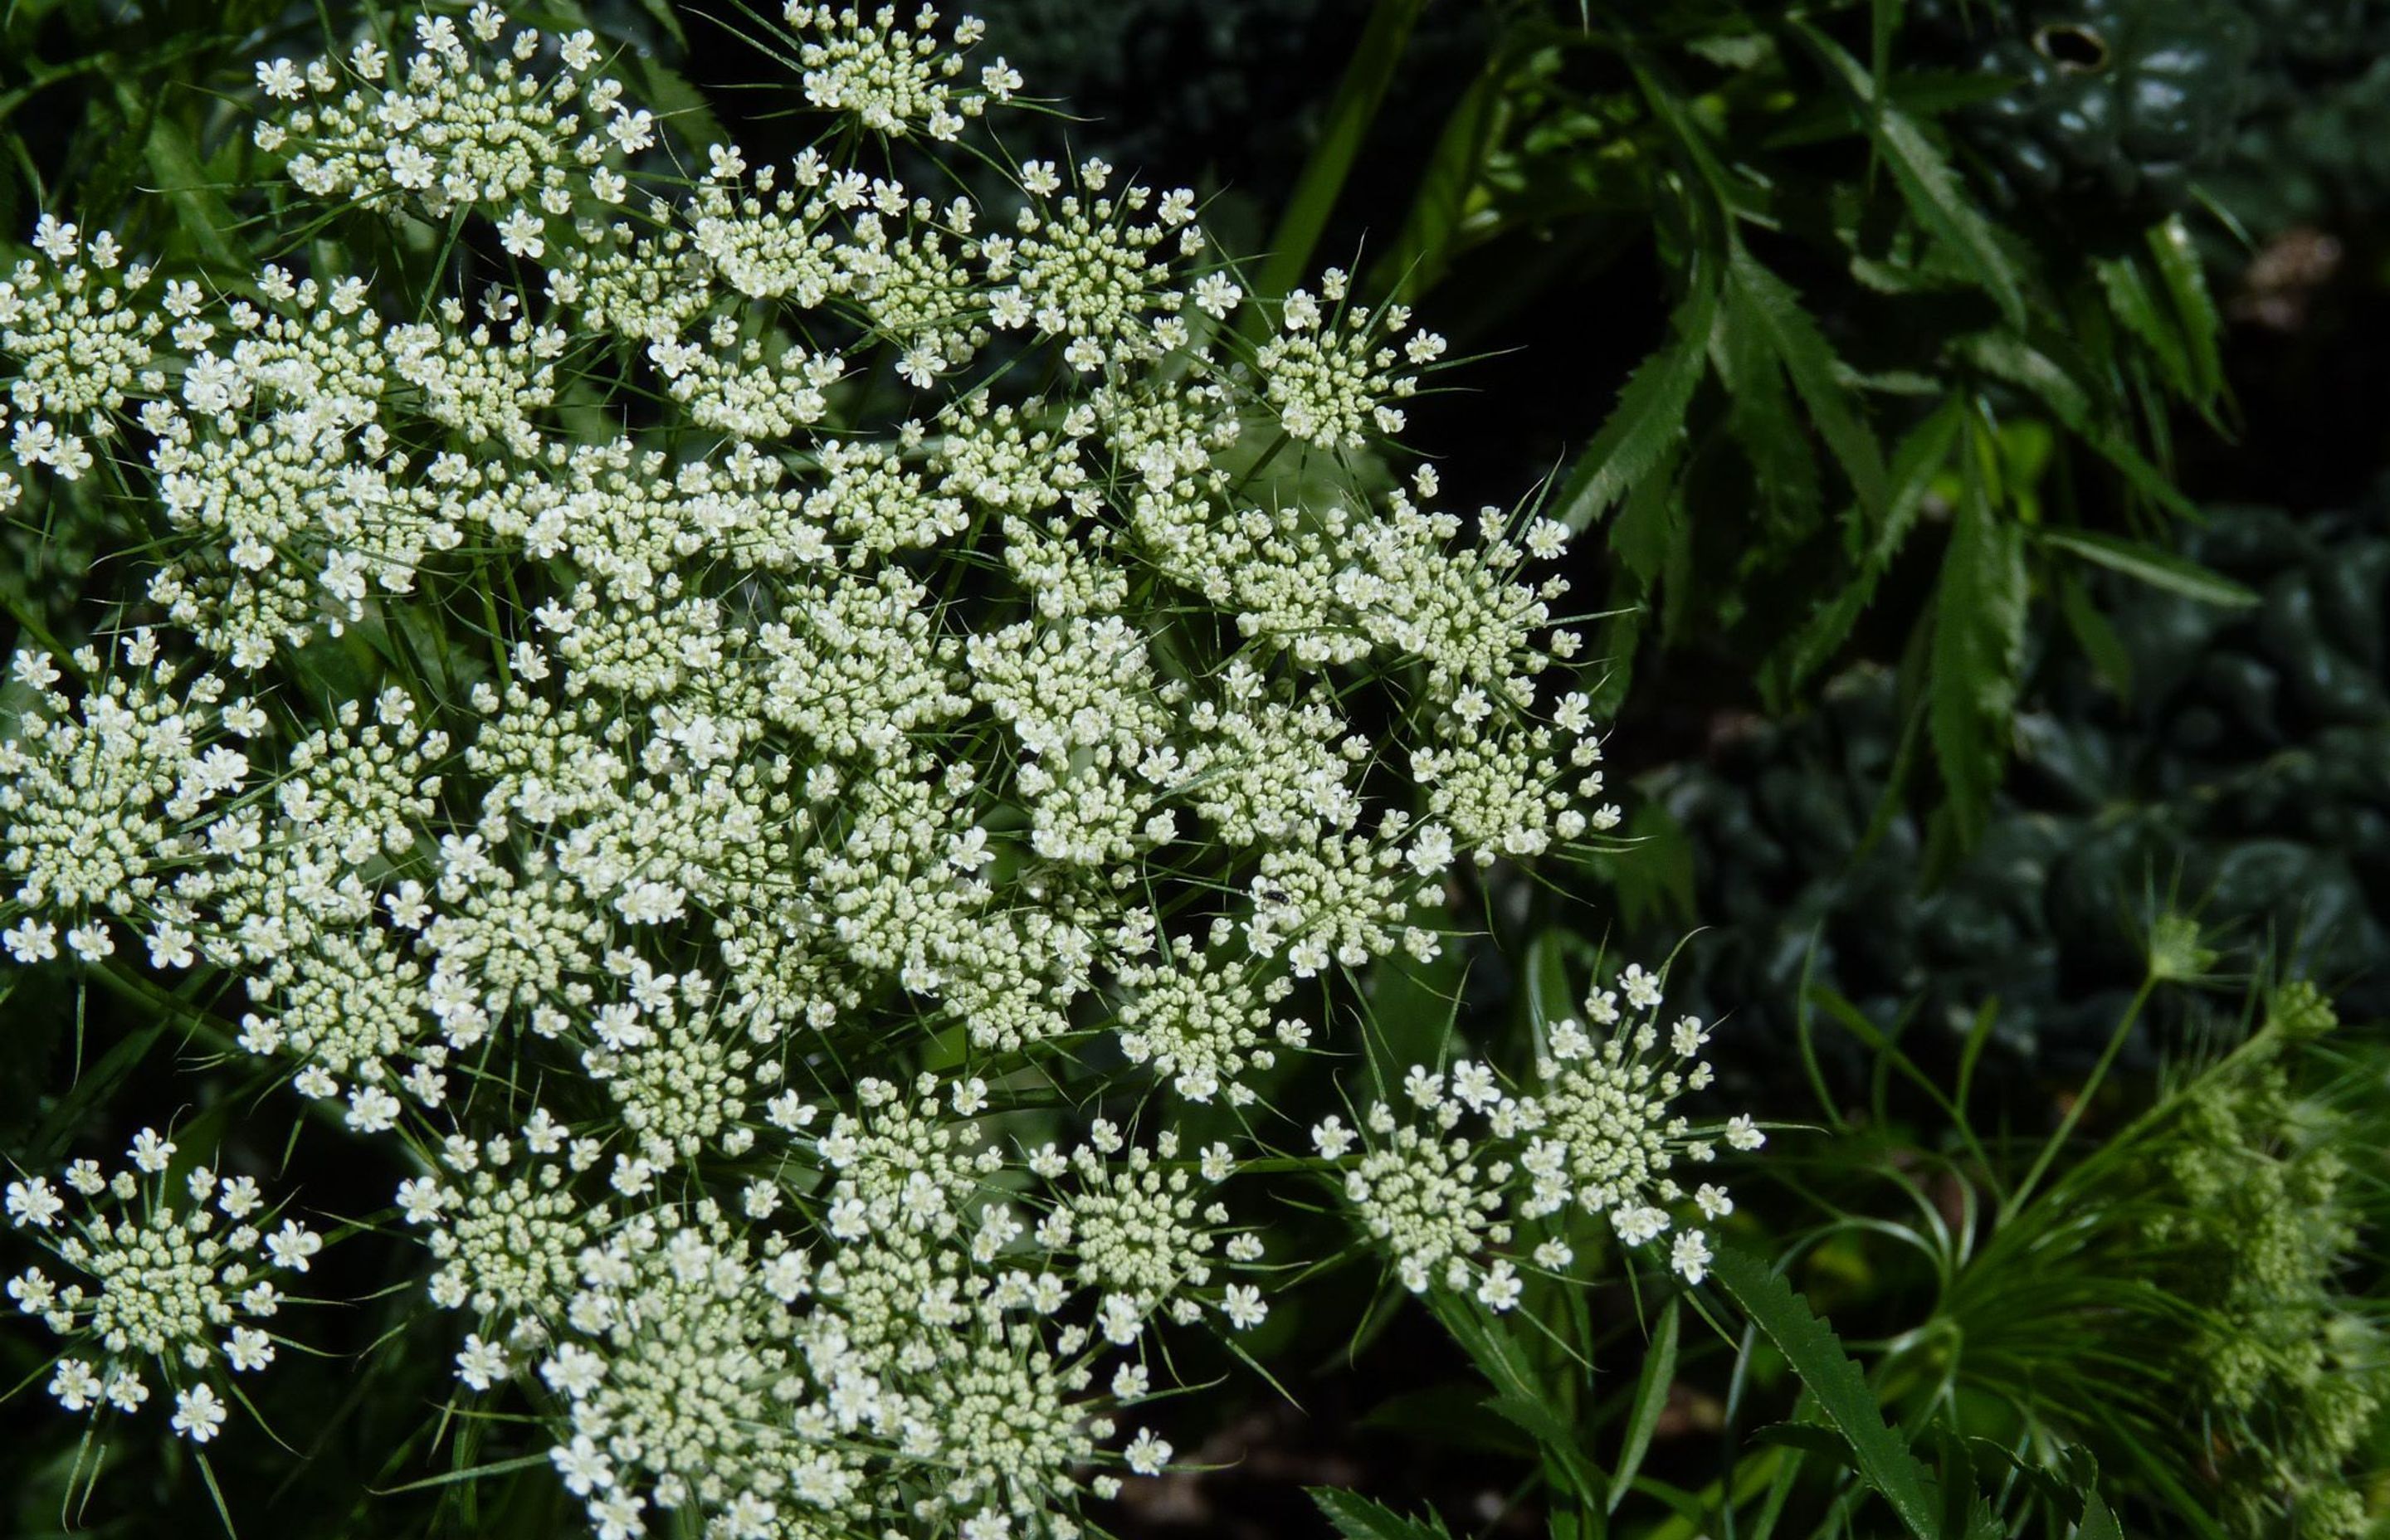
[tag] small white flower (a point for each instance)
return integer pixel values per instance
(53, 238)
(583, 1467)
(481, 1365)
(149, 1152)
(292, 1245)
(76, 1384)
(170, 946)
(523, 234)
(1146, 1455)
(1690, 1255)
(198, 1414)
(249, 1350)
(32, 940)
(280, 80)
(34, 1201)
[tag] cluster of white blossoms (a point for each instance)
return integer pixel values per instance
(1473, 1182)
(174, 1293)
(729, 629)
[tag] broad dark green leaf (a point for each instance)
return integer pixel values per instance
(2154, 566)
(1646, 424)
(1769, 303)
(1979, 615)
(1356, 1518)
(1651, 1399)
(1842, 1392)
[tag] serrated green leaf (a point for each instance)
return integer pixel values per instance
(1770, 304)
(1783, 464)
(1644, 429)
(2136, 307)
(2098, 1522)
(1809, 1438)
(1647, 525)
(2154, 566)
(1931, 189)
(1920, 457)
(1979, 615)
(1842, 1392)
(1356, 1518)
(1520, 1398)
(1651, 1399)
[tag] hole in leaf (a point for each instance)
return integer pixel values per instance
(2078, 49)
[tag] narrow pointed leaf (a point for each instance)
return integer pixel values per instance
(2156, 567)
(1350, 114)
(1424, 248)
(2138, 308)
(1651, 1399)
(2029, 368)
(1979, 615)
(2185, 278)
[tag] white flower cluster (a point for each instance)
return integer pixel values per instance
(898, 1316)
(181, 1293)
(1332, 375)
(1473, 1181)
(732, 637)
